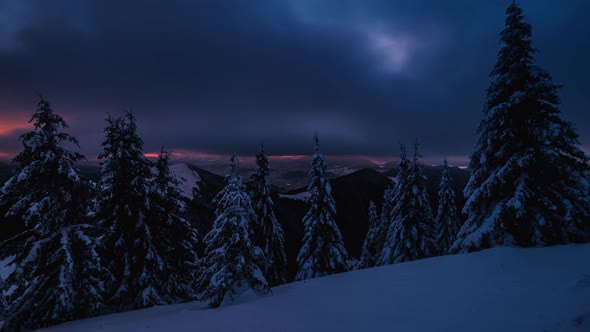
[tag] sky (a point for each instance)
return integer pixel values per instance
(212, 77)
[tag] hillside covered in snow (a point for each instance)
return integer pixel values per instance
(500, 289)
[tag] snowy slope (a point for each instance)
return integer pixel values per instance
(501, 289)
(188, 179)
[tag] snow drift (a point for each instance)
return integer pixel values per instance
(500, 289)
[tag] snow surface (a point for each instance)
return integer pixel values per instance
(500, 289)
(188, 179)
(302, 196)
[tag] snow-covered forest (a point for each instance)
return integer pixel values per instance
(76, 248)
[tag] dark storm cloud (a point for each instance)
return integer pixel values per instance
(223, 76)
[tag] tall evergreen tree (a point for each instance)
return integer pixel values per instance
(411, 233)
(58, 274)
(174, 237)
(390, 197)
(232, 262)
(527, 185)
(124, 208)
(268, 233)
(371, 247)
(447, 219)
(323, 251)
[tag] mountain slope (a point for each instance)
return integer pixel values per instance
(500, 289)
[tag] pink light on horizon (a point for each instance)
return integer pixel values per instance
(182, 154)
(190, 155)
(185, 155)
(11, 124)
(288, 157)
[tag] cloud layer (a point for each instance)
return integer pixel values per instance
(223, 76)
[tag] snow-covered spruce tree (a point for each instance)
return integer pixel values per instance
(267, 232)
(371, 247)
(390, 196)
(124, 210)
(173, 236)
(232, 263)
(58, 274)
(411, 234)
(322, 252)
(447, 220)
(527, 185)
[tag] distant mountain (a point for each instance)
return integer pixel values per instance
(188, 179)
(290, 172)
(200, 208)
(352, 193)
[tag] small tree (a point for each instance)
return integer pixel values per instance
(232, 263)
(57, 275)
(447, 219)
(411, 234)
(268, 233)
(371, 247)
(323, 251)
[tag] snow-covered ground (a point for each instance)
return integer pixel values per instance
(302, 196)
(501, 289)
(188, 179)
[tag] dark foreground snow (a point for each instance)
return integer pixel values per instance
(501, 289)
